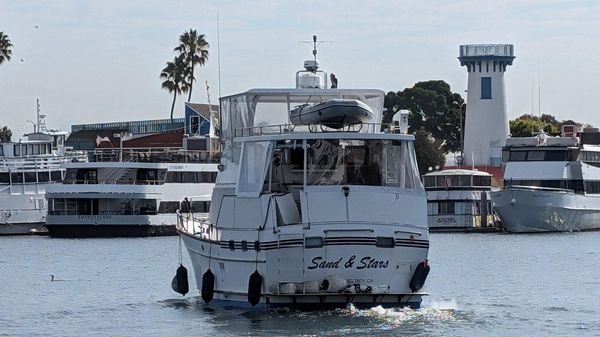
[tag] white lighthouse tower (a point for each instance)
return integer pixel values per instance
(486, 124)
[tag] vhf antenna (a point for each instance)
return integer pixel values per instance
(315, 44)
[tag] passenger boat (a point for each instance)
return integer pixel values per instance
(27, 168)
(551, 184)
(459, 200)
(310, 219)
(130, 192)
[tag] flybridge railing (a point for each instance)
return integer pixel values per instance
(279, 129)
(153, 155)
(112, 182)
(39, 163)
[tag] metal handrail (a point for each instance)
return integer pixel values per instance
(538, 188)
(291, 128)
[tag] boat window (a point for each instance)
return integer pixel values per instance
(556, 155)
(17, 150)
(43, 177)
(30, 149)
(446, 207)
(464, 180)
(30, 177)
(4, 178)
(429, 181)
(200, 206)
(168, 206)
(56, 176)
(535, 155)
(517, 155)
(1, 150)
(576, 186)
(86, 176)
(16, 177)
(362, 162)
(147, 206)
(253, 168)
(482, 181)
(592, 187)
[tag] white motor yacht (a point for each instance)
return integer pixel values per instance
(458, 200)
(551, 184)
(310, 217)
(27, 168)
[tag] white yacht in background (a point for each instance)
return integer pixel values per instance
(459, 200)
(551, 184)
(27, 167)
(130, 192)
(310, 217)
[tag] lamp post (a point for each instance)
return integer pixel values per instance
(460, 116)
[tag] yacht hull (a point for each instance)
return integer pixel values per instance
(92, 231)
(22, 228)
(375, 275)
(533, 211)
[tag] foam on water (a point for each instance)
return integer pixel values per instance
(437, 311)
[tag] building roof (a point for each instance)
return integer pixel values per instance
(203, 109)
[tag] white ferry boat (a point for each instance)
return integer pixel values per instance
(129, 192)
(27, 167)
(551, 184)
(309, 217)
(459, 200)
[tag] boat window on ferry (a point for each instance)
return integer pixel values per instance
(85, 176)
(168, 206)
(540, 155)
(43, 177)
(56, 175)
(482, 181)
(16, 177)
(446, 207)
(4, 178)
(17, 150)
(592, 187)
(30, 177)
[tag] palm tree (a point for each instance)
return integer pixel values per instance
(5, 48)
(174, 76)
(194, 48)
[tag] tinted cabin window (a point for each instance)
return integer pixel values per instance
(4, 178)
(17, 150)
(55, 176)
(535, 155)
(30, 177)
(168, 206)
(517, 156)
(16, 177)
(43, 177)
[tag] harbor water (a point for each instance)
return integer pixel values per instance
(479, 285)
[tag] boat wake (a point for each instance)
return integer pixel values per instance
(439, 311)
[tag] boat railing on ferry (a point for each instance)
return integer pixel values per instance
(153, 155)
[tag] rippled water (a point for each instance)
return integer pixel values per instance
(480, 285)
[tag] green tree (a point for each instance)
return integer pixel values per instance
(525, 125)
(5, 48)
(432, 108)
(5, 134)
(174, 76)
(428, 151)
(194, 49)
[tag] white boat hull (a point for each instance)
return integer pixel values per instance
(382, 273)
(530, 211)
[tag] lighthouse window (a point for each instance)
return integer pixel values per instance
(486, 88)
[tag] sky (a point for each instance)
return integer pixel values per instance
(99, 61)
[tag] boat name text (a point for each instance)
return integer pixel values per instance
(365, 262)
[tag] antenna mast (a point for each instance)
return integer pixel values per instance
(315, 43)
